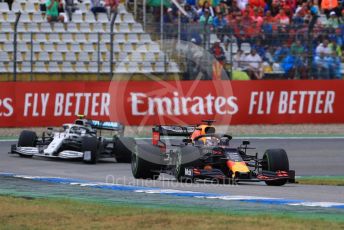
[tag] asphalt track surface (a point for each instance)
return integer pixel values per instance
(306, 156)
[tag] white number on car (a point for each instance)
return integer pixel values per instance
(188, 172)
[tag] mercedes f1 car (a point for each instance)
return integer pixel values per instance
(81, 140)
(204, 154)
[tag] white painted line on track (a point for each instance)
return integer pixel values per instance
(8, 140)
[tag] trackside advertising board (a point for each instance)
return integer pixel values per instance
(29, 104)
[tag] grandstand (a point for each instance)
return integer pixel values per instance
(77, 47)
(85, 46)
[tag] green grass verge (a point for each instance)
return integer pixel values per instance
(39, 213)
(322, 180)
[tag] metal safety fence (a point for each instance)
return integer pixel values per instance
(191, 50)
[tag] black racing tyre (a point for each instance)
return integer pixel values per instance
(145, 162)
(89, 146)
(187, 157)
(124, 147)
(276, 160)
(27, 139)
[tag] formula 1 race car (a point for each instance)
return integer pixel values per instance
(205, 155)
(81, 140)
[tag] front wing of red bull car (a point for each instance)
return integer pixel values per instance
(220, 162)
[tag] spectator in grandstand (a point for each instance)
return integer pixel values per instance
(259, 48)
(242, 4)
(269, 55)
(298, 19)
(222, 8)
(234, 9)
(219, 22)
(111, 6)
(257, 3)
(218, 52)
(313, 16)
(337, 37)
(206, 18)
(97, 7)
(329, 5)
(257, 18)
(333, 21)
(238, 58)
(206, 7)
(239, 31)
(170, 21)
(220, 60)
(322, 66)
(253, 63)
(226, 46)
(220, 26)
(169, 17)
(301, 9)
(335, 48)
(281, 52)
(275, 8)
(297, 49)
(282, 18)
(52, 11)
(268, 26)
(287, 65)
(323, 48)
(192, 15)
(298, 68)
(69, 8)
(334, 62)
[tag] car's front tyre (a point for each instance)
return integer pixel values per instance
(27, 138)
(276, 160)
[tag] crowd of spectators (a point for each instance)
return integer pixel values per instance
(299, 38)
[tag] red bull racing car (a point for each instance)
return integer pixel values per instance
(205, 155)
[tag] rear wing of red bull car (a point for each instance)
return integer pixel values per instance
(171, 130)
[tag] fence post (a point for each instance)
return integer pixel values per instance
(98, 56)
(144, 15)
(111, 43)
(161, 20)
(15, 47)
(31, 56)
(231, 52)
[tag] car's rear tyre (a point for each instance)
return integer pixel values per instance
(89, 146)
(124, 147)
(276, 160)
(187, 157)
(144, 162)
(27, 139)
